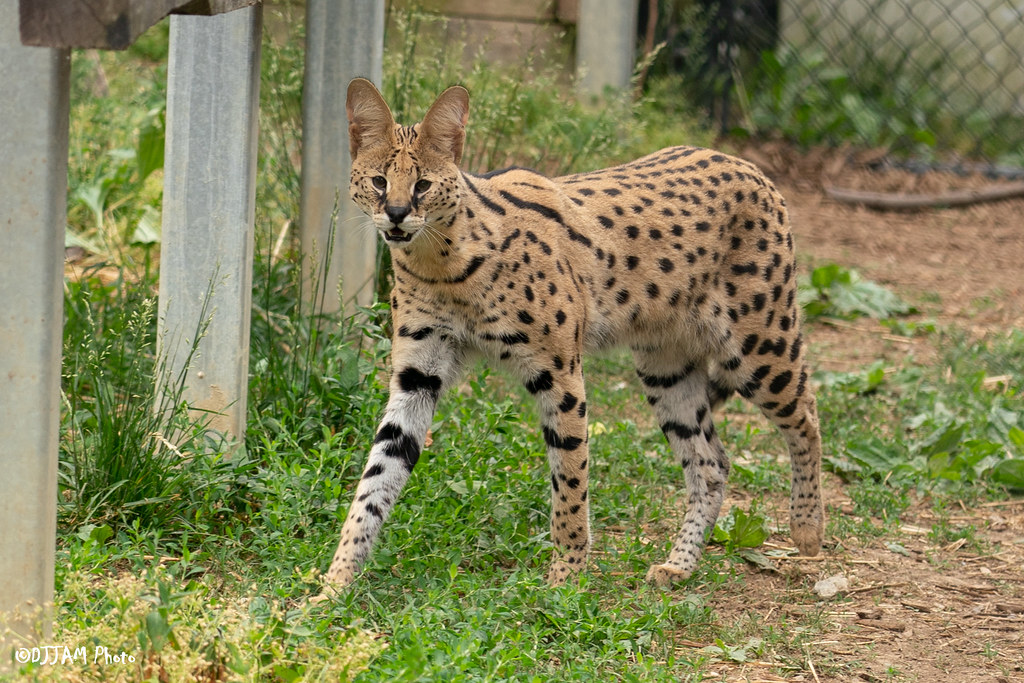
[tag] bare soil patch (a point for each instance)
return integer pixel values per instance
(917, 608)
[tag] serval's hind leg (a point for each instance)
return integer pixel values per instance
(784, 396)
(679, 394)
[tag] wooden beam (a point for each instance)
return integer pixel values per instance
(106, 24)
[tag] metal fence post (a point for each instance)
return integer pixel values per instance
(344, 39)
(213, 79)
(33, 175)
(605, 44)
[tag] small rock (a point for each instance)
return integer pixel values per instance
(827, 588)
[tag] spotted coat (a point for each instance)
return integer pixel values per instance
(685, 256)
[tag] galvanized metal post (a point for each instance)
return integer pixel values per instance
(33, 178)
(605, 44)
(344, 39)
(213, 79)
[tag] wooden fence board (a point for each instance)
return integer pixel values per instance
(107, 24)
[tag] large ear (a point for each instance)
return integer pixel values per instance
(444, 126)
(369, 119)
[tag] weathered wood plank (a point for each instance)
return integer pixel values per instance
(106, 24)
(568, 11)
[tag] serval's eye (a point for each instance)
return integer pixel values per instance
(380, 182)
(422, 186)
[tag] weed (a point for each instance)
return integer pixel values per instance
(937, 430)
(878, 499)
(738, 529)
(835, 291)
(150, 625)
(128, 447)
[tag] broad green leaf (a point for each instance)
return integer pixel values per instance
(157, 629)
(149, 154)
(943, 441)
(1016, 436)
(757, 558)
(1009, 473)
(94, 197)
(749, 531)
(740, 530)
(147, 230)
(100, 534)
(875, 456)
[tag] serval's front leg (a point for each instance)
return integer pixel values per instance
(563, 410)
(425, 363)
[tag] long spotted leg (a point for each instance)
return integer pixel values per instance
(424, 363)
(563, 409)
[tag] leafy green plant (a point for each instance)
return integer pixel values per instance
(839, 292)
(155, 626)
(739, 529)
(949, 431)
(859, 382)
(741, 533)
(121, 187)
(811, 98)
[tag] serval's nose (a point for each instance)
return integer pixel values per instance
(397, 214)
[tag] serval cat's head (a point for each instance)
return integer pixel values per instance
(405, 178)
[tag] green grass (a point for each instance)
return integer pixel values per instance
(455, 588)
(200, 565)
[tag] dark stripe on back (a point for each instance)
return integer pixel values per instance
(496, 208)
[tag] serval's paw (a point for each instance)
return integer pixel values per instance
(561, 571)
(339, 576)
(666, 575)
(808, 536)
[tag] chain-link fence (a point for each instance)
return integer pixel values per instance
(938, 80)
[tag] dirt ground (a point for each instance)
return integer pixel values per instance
(918, 611)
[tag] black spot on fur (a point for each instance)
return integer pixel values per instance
(568, 403)
(748, 344)
(397, 444)
(565, 443)
(665, 381)
(373, 471)
(411, 379)
(780, 382)
(542, 382)
(747, 269)
(680, 430)
(419, 334)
